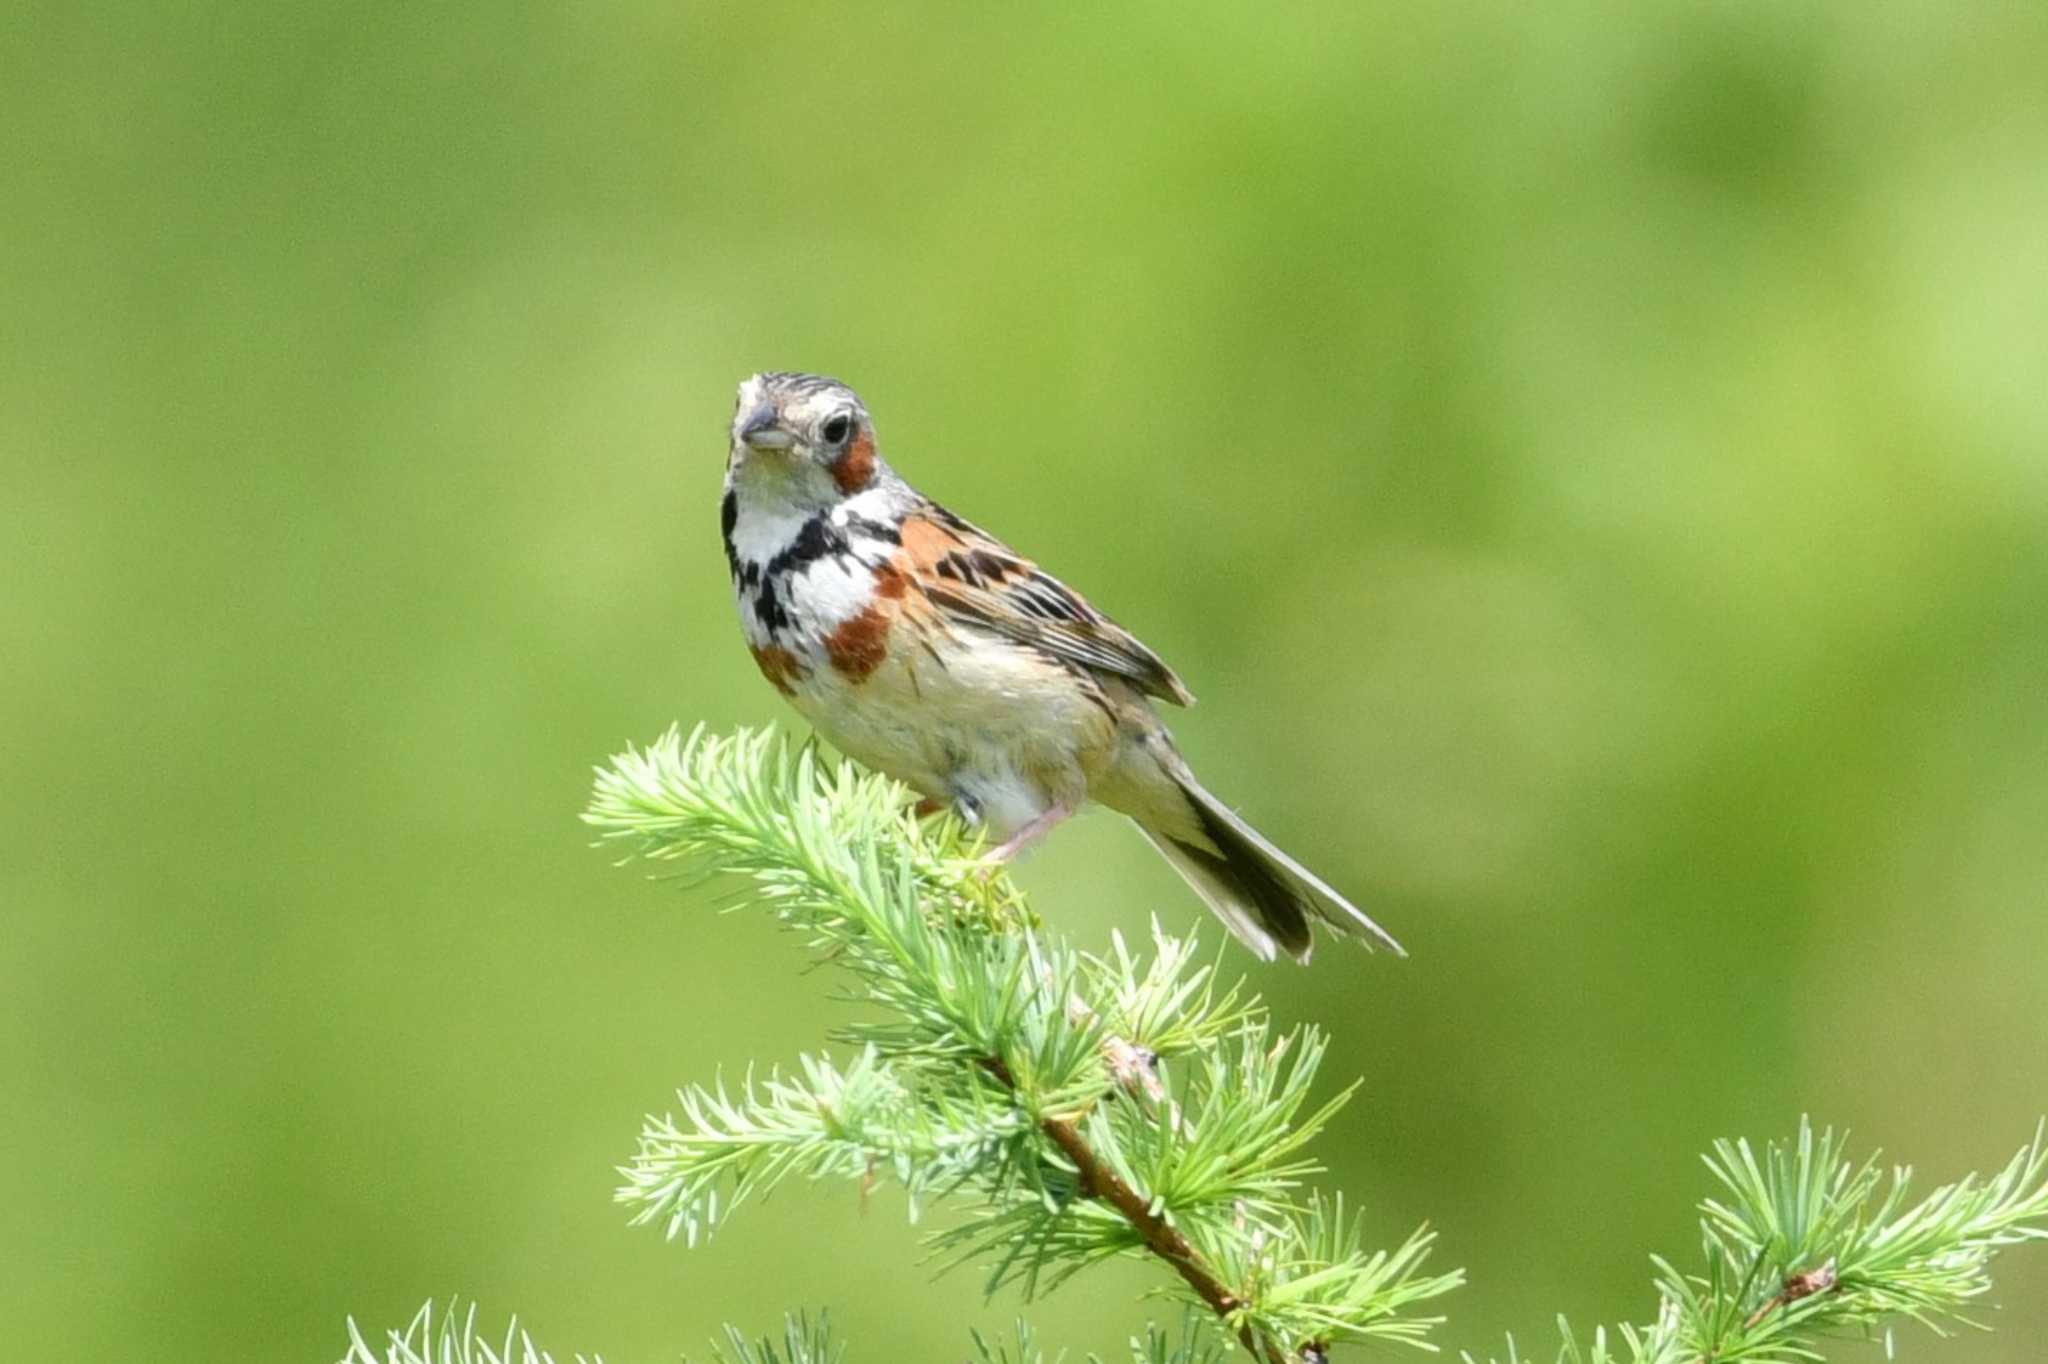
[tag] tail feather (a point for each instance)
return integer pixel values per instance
(1261, 894)
(1261, 931)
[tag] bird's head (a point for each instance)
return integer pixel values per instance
(801, 439)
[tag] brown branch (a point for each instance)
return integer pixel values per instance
(1795, 1287)
(1161, 1237)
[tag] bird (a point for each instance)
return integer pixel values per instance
(925, 649)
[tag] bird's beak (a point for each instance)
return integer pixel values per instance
(763, 430)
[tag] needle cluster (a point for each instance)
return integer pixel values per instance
(1803, 1246)
(1066, 1106)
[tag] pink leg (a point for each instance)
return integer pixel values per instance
(1038, 828)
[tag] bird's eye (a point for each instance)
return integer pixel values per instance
(836, 429)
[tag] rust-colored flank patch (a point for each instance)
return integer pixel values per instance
(779, 666)
(852, 470)
(858, 646)
(891, 581)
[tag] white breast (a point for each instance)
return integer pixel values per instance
(973, 716)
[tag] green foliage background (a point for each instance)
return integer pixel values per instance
(1591, 462)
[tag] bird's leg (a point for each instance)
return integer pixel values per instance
(1040, 825)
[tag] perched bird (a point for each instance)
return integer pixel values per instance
(924, 648)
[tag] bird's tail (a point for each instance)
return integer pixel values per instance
(1262, 895)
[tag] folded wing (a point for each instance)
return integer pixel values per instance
(975, 579)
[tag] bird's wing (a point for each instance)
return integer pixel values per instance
(975, 579)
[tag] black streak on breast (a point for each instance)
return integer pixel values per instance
(728, 517)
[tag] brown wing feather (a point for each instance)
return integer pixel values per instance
(975, 579)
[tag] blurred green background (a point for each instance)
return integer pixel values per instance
(1591, 461)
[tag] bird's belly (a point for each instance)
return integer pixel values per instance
(997, 728)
